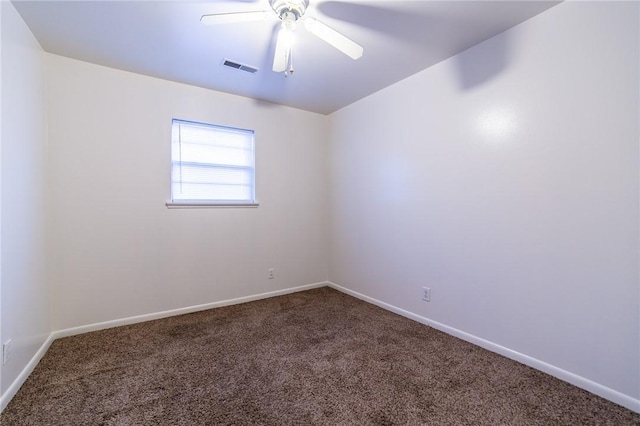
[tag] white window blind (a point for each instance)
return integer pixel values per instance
(211, 164)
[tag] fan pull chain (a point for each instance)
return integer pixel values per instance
(289, 63)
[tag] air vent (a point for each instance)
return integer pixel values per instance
(239, 66)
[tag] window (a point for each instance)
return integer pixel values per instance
(211, 165)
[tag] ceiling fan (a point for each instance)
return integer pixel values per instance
(290, 12)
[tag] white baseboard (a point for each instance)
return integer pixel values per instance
(579, 381)
(26, 371)
(19, 381)
(181, 311)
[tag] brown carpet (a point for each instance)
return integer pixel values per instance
(316, 357)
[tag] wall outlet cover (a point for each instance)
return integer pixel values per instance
(426, 294)
(7, 349)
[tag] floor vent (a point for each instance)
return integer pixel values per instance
(239, 66)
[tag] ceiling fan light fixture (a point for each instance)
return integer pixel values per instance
(286, 37)
(289, 21)
(289, 12)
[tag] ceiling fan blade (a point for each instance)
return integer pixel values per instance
(334, 38)
(230, 18)
(282, 51)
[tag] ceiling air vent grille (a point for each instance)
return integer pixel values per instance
(239, 66)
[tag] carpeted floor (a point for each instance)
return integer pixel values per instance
(316, 357)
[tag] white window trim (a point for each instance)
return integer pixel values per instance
(207, 204)
(190, 204)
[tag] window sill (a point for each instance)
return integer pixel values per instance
(207, 205)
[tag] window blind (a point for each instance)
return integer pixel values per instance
(211, 163)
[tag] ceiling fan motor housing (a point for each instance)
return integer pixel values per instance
(284, 8)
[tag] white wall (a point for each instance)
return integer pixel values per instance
(512, 193)
(117, 251)
(25, 297)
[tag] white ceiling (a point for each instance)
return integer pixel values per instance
(165, 39)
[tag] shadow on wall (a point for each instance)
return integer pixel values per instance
(480, 64)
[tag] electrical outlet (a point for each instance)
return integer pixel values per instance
(7, 349)
(271, 272)
(426, 294)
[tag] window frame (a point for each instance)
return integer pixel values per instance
(185, 203)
